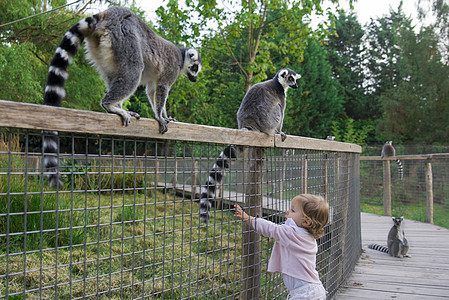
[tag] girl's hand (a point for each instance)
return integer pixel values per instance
(239, 213)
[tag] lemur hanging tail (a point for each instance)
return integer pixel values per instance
(55, 92)
(400, 169)
(378, 248)
(215, 177)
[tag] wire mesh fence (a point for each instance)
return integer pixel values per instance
(411, 194)
(125, 224)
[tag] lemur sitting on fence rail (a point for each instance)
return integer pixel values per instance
(387, 151)
(262, 109)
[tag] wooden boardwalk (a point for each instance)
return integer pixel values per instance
(425, 275)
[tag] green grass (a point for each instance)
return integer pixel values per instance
(156, 252)
(411, 211)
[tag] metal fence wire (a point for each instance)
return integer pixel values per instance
(410, 188)
(125, 224)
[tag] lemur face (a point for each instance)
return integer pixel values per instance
(192, 64)
(287, 78)
(397, 221)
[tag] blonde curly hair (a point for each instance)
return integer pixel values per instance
(316, 209)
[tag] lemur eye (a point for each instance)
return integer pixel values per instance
(290, 78)
(194, 68)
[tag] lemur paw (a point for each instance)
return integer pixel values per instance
(283, 136)
(134, 114)
(170, 119)
(163, 127)
(126, 119)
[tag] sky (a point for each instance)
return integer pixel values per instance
(367, 9)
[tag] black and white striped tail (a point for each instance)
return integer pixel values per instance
(50, 157)
(55, 92)
(400, 169)
(215, 177)
(378, 248)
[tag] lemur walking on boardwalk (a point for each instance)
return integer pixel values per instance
(127, 53)
(387, 151)
(396, 241)
(262, 109)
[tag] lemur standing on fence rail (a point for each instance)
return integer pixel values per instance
(127, 53)
(387, 151)
(396, 241)
(262, 109)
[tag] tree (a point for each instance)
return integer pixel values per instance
(416, 110)
(440, 11)
(312, 108)
(249, 45)
(252, 25)
(347, 61)
(384, 62)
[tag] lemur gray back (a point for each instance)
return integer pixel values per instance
(262, 109)
(397, 243)
(387, 151)
(127, 53)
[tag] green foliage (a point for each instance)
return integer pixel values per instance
(345, 51)
(384, 74)
(20, 73)
(350, 131)
(27, 47)
(316, 103)
(416, 109)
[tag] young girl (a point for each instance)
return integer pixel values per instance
(295, 247)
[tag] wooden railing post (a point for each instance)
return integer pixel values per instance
(251, 239)
(387, 187)
(429, 192)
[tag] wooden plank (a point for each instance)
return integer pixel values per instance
(377, 275)
(380, 295)
(410, 288)
(406, 157)
(43, 117)
(315, 144)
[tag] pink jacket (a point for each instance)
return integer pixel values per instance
(294, 251)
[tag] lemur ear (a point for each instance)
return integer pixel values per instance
(192, 53)
(283, 73)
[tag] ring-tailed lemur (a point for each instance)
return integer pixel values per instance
(262, 109)
(387, 151)
(396, 241)
(127, 53)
